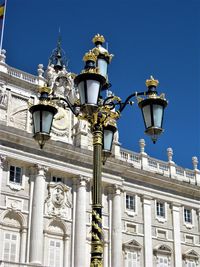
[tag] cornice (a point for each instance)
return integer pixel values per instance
(77, 161)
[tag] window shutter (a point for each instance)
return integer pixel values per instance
(55, 253)
(132, 259)
(10, 247)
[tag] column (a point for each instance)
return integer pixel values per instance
(148, 250)
(36, 240)
(23, 245)
(2, 161)
(74, 179)
(110, 226)
(116, 228)
(177, 235)
(80, 224)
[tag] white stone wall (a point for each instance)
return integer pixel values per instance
(40, 212)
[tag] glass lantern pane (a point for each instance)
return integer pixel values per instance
(36, 121)
(81, 90)
(157, 115)
(147, 116)
(102, 65)
(107, 142)
(92, 91)
(47, 118)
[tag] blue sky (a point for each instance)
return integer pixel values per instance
(147, 37)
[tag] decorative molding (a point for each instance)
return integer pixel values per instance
(14, 203)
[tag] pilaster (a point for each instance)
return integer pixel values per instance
(2, 162)
(177, 235)
(116, 227)
(23, 245)
(66, 251)
(148, 249)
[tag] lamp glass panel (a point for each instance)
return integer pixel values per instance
(36, 121)
(47, 118)
(147, 116)
(107, 141)
(157, 115)
(102, 65)
(81, 90)
(93, 87)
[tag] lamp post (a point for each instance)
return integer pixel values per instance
(101, 115)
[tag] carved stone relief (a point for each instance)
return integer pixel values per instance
(18, 113)
(14, 204)
(57, 203)
(3, 96)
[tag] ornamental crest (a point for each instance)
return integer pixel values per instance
(57, 203)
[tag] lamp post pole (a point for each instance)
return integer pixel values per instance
(101, 115)
(97, 232)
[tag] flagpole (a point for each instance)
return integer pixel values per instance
(3, 24)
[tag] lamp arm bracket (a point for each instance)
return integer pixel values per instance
(128, 102)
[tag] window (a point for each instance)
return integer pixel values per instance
(15, 174)
(130, 202)
(191, 263)
(160, 209)
(10, 247)
(188, 215)
(56, 179)
(132, 259)
(163, 262)
(55, 253)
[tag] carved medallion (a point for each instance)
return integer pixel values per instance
(57, 203)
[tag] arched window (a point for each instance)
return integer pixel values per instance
(132, 252)
(11, 225)
(163, 255)
(55, 243)
(191, 258)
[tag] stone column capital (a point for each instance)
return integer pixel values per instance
(117, 189)
(2, 161)
(41, 169)
(82, 181)
(147, 199)
(175, 206)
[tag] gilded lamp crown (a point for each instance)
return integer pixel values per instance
(98, 38)
(90, 56)
(44, 89)
(152, 82)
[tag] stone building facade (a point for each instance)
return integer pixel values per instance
(151, 212)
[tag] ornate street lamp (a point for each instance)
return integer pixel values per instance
(101, 115)
(153, 110)
(43, 115)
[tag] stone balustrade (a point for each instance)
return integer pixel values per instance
(22, 75)
(4, 68)
(166, 168)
